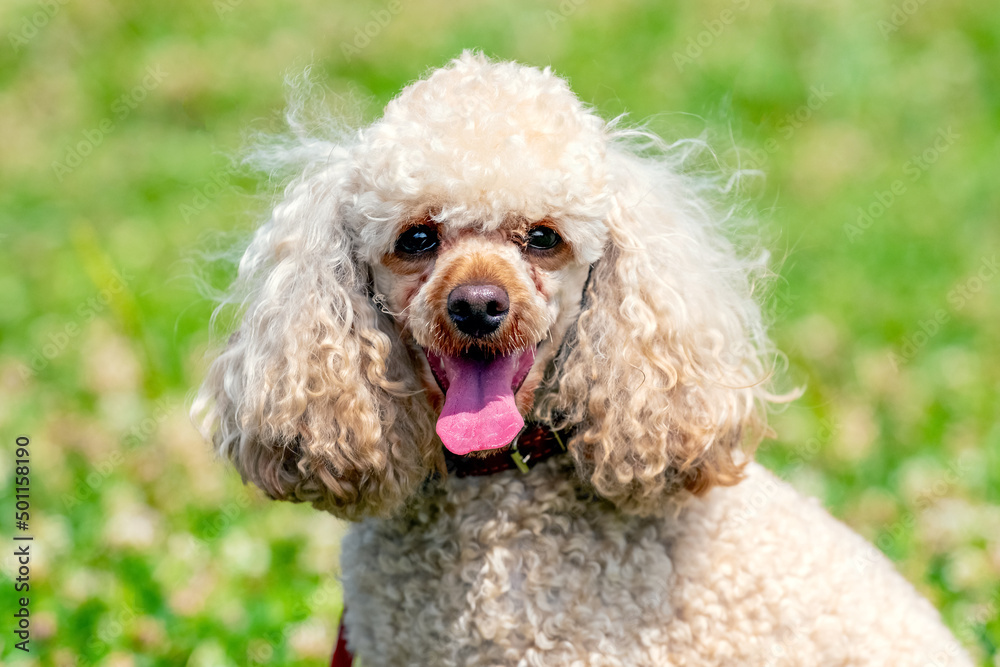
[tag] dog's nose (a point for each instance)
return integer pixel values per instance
(478, 310)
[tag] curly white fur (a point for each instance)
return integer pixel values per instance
(530, 570)
(627, 551)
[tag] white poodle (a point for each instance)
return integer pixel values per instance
(492, 253)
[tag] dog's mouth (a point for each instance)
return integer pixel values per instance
(479, 412)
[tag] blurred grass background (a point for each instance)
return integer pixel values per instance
(875, 122)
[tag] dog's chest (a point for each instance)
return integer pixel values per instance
(493, 571)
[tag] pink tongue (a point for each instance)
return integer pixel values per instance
(479, 410)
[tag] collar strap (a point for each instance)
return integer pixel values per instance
(535, 444)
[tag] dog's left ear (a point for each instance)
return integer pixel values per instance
(663, 377)
(313, 399)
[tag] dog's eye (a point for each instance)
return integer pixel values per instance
(543, 238)
(417, 240)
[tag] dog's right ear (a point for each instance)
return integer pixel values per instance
(666, 375)
(313, 399)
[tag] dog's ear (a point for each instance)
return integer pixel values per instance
(313, 399)
(662, 379)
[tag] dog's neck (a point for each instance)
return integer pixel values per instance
(535, 444)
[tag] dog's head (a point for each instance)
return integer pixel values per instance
(489, 251)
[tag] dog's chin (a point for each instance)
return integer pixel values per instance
(480, 410)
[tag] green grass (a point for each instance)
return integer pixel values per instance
(147, 552)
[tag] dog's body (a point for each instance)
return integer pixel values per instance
(488, 252)
(529, 569)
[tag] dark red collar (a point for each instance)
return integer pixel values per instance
(535, 444)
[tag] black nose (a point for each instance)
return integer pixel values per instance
(478, 310)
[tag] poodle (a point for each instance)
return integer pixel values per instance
(511, 344)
